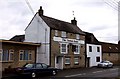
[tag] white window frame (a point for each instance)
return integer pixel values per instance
(77, 36)
(67, 61)
(56, 32)
(61, 48)
(11, 51)
(63, 34)
(76, 62)
(78, 49)
(29, 55)
(21, 52)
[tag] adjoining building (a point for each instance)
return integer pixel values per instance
(16, 54)
(93, 50)
(110, 52)
(62, 43)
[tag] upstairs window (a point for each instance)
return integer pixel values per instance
(63, 34)
(64, 48)
(75, 49)
(56, 33)
(77, 36)
(98, 49)
(90, 48)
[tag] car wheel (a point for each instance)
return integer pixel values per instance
(33, 75)
(54, 72)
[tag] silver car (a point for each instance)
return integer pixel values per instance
(105, 64)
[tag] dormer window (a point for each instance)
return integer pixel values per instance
(110, 48)
(63, 34)
(116, 48)
(77, 36)
(56, 33)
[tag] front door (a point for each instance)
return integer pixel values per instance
(88, 62)
(59, 62)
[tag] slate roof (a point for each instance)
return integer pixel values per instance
(61, 25)
(90, 38)
(18, 38)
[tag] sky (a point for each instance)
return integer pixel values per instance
(99, 17)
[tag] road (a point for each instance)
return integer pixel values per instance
(85, 73)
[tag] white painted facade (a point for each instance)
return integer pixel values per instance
(39, 32)
(92, 55)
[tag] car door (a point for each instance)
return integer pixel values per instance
(38, 68)
(45, 68)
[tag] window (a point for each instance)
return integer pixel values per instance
(21, 55)
(67, 61)
(98, 49)
(5, 55)
(63, 34)
(77, 36)
(44, 66)
(30, 56)
(75, 49)
(39, 66)
(76, 60)
(25, 55)
(0, 54)
(64, 48)
(90, 48)
(97, 59)
(11, 53)
(56, 33)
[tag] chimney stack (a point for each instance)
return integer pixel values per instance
(40, 11)
(74, 22)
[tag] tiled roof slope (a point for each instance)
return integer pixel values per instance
(90, 38)
(109, 47)
(18, 38)
(61, 25)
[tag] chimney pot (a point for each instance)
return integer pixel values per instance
(74, 22)
(40, 11)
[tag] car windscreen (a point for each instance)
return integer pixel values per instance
(29, 65)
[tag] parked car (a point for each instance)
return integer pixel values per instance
(36, 69)
(105, 64)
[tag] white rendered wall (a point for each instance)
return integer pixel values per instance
(94, 54)
(36, 33)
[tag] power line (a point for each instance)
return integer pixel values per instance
(111, 5)
(29, 6)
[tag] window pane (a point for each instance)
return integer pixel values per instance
(11, 56)
(39, 66)
(97, 59)
(30, 56)
(21, 56)
(98, 49)
(77, 36)
(26, 55)
(67, 60)
(63, 34)
(56, 33)
(90, 48)
(63, 47)
(5, 55)
(76, 60)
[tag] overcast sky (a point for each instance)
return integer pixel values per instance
(99, 17)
